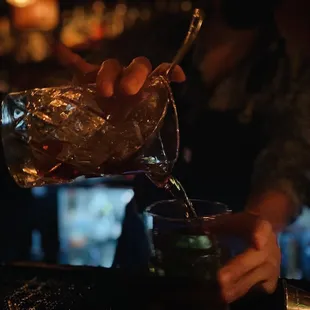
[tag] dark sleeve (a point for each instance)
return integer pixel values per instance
(284, 164)
(132, 253)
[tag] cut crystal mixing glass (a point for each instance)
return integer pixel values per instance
(54, 135)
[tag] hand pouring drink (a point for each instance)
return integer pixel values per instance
(55, 135)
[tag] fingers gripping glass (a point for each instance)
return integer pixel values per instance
(187, 247)
(55, 135)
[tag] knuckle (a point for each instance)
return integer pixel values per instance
(265, 257)
(111, 63)
(263, 227)
(222, 279)
(270, 286)
(142, 59)
(143, 62)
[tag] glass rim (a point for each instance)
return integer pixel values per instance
(168, 201)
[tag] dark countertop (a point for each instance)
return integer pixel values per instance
(64, 287)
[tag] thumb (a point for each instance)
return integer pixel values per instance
(72, 61)
(262, 233)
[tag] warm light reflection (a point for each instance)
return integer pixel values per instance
(80, 26)
(40, 15)
(186, 6)
(21, 3)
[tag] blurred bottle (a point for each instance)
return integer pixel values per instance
(34, 23)
(36, 251)
(41, 14)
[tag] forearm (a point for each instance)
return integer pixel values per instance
(280, 185)
(275, 206)
(281, 177)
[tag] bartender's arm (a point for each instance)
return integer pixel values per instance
(281, 178)
(280, 187)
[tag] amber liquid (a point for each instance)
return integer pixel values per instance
(158, 171)
(161, 176)
(53, 171)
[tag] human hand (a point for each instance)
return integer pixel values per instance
(258, 267)
(111, 76)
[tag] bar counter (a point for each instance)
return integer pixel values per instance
(39, 286)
